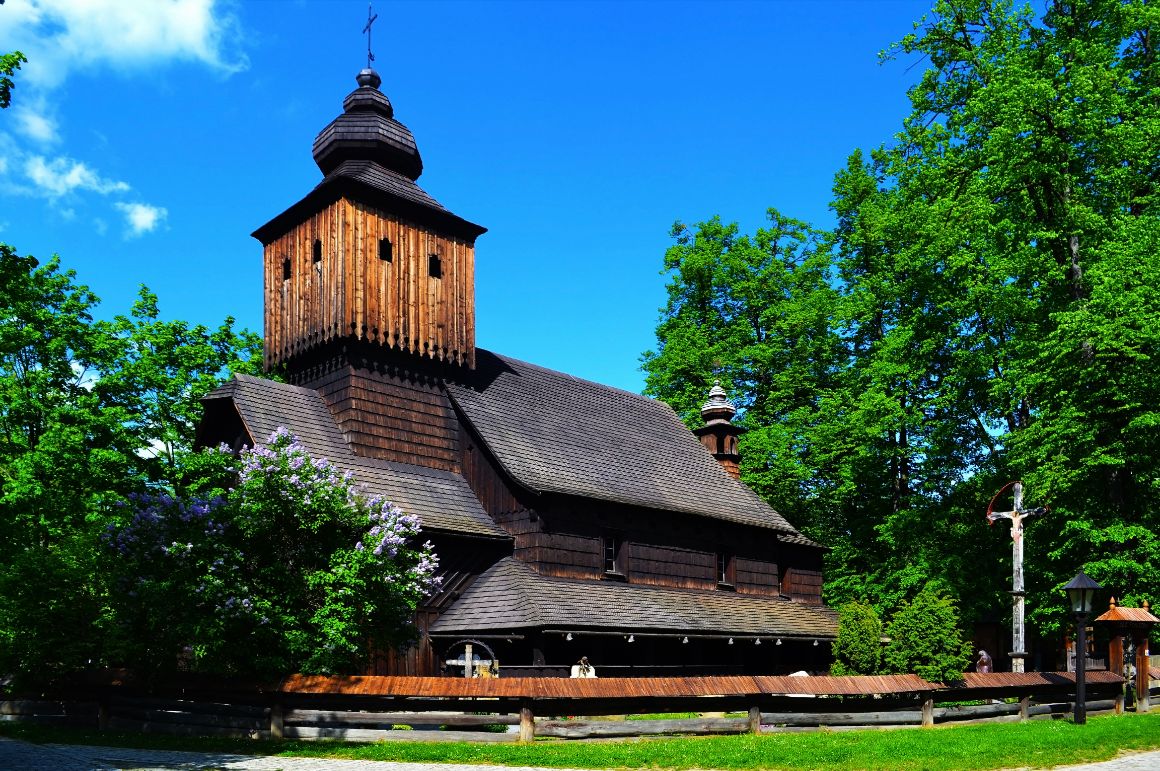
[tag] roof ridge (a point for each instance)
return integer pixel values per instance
(586, 381)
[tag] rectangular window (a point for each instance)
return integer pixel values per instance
(385, 249)
(434, 266)
(614, 556)
(725, 571)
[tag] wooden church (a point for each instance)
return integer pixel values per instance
(570, 519)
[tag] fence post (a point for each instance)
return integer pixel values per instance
(277, 728)
(527, 721)
(755, 720)
(1025, 707)
(928, 712)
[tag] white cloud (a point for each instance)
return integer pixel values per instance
(141, 218)
(61, 176)
(59, 35)
(125, 37)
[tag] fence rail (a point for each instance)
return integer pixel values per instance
(401, 708)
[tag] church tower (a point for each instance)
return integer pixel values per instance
(368, 258)
(370, 289)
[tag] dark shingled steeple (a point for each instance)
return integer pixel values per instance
(367, 131)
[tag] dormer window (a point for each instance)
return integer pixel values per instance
(726, 574)
(434, 266)
(385, 250)
(614, 557)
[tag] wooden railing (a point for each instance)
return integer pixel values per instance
(511, 709)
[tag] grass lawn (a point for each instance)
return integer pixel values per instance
(1038, 744)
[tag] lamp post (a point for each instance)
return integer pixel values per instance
(1081, 591)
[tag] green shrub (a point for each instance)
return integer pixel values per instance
(925, 639)
(858, 647)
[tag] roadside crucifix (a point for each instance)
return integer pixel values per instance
(371, 16)
(1019, 639)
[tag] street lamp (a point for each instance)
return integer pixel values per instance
(1080, 592)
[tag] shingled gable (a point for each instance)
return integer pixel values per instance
(555, 433)
(511, 596)
(441, 499)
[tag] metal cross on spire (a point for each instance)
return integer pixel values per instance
(1017, 515)
(371, 16)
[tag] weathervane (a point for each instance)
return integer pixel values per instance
(371, 16)
(1017, 591)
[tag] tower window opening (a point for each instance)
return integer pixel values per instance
(286, 269)
(317, 250)
(385, 249)
(434, 266)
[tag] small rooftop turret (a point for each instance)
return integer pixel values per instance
(719, 435)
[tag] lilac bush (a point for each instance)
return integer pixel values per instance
(292, 569)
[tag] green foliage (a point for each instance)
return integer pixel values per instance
(925, 639)
(292, 570)
(9, 64)
(90, 412)
(858, 646)
(987, 308)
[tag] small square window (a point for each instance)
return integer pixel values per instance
(434, 266)
(385, 250)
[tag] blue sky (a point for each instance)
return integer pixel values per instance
(148, 139)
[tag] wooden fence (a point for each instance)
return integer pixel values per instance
(520, 709)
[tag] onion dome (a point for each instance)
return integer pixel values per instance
(718, 407)
(367, 131)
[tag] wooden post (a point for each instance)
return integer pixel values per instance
(1116, 664)
(1143, 697)
(755, 720)
(467, 652)
(928, 712)
(527, 722)
(276, 720)
(1025, 707)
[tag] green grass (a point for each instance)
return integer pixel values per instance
(1038, 744)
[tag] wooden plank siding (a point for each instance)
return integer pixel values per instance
(755, 576)
(669, 566)
(803, 585)
(353, 293)
(394, 416)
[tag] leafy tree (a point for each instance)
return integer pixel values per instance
(83, 405)
(987, 308)
(753, 312)
(925, 639)
(161, 371)
(9, 64)
(858, 647)
(291, 570)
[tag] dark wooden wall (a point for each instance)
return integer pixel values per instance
(563, 537)
(398, 416)
(803, 584)
(351, 292)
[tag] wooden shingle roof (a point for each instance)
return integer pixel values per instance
(441, 499)
(552, 432)
(511, 596)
